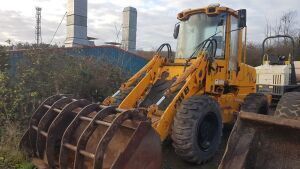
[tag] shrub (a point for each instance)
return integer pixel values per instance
(10, 155)
(40, 74)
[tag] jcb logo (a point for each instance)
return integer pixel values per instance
(182, 96)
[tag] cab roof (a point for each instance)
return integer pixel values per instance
(214, 9)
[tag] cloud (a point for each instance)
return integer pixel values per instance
(156, 18)
(15, 26)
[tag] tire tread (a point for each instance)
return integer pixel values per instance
(184, 122)
(289, 106)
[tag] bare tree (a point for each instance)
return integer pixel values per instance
(285, 25)
(268, 29)
(288, 22)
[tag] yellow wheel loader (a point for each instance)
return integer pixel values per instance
(187, 98)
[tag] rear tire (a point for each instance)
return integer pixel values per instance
(289, 106)
(197, 129)
(256, 103)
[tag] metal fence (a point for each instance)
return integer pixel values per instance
(127, 61)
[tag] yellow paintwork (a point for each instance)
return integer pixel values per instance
(140, 88)
(199, 77)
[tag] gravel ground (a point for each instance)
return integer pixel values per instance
(172, 161)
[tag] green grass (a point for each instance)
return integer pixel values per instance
(10, 155)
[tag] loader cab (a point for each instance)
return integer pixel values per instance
(196, 29)
(222, 24)
(225, 26)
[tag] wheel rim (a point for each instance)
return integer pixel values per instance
(207, 130)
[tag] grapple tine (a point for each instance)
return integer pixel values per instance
(82, 142)
(70, 131)
(28, 141)
(25, 144)
(44, 124)
(77, 134)
(103, 144)
(125, 156)
(143, 150)
(57, 128)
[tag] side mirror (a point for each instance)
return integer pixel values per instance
(176, 31)
(242, 18)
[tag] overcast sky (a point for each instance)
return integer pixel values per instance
(156, 18)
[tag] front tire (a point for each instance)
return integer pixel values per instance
(256, 103)
(197, 129)
(289, 106)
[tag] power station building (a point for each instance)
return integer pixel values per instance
(77, 17)
(77, 24)
(129, 29)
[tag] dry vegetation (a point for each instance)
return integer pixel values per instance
(40, 74)
(10, 156)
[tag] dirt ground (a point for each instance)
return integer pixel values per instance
(172, 161)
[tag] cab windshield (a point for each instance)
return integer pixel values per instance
(198, 28)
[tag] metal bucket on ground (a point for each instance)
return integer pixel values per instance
(78, 134)
(263, 142)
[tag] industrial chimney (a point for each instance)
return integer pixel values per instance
(129, 29)
(77, 24)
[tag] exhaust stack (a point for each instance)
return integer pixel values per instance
(77, 24)
(129, 29)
